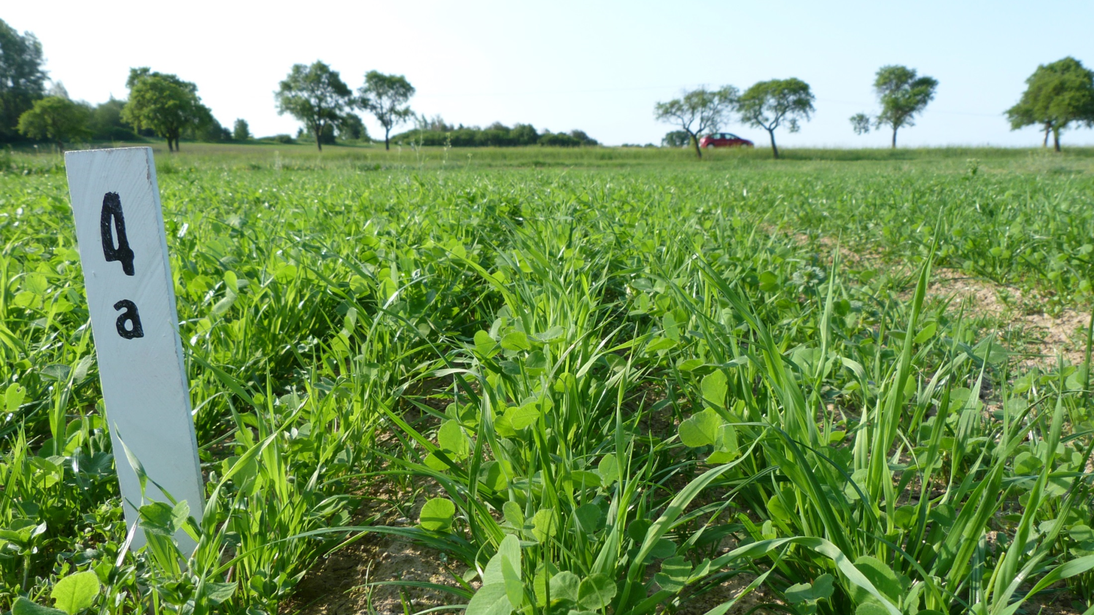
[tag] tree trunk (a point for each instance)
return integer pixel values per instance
(387, 140)
(1048, 127)
(774, 149)
(695, 142)
(1056, 138)
(894, 138)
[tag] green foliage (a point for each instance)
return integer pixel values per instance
(385, 97)
(76, 592)
(22, 78)
(593, 418)
(208, 129)
(575, 138)
(1057, 95)
(72, 594)
(241, 131)
(768, 104)
(351, 128)
(494, 135)
(902, 94)
(860, 123)
(437, 515)
(22, 606)
(56, 119)
(676, 138)
(316, 96)
(106, 123)
(327, 138)
(698, 111)
(164, 104)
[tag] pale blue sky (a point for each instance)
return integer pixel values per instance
(597, 66)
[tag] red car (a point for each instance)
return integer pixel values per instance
(724, 139)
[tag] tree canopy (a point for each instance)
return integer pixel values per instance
(316, 96)
(675, 138)
(22, 80)
(385, 96)
(698, 111)
(1057, 95)
(769, 104)
(860, 123)
(165, 104)
(241, 131)
(903, 94)
(351, 128)
(436, 132)
(56, 119)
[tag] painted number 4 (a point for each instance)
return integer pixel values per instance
(116, 248)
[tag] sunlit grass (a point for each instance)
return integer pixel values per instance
(611, 388)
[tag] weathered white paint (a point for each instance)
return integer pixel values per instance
(143, 378)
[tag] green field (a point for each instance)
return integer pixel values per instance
(576, 381)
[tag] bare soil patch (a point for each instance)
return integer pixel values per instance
(350, 579)
(340, 583)
(1045, 335)
(727, 591)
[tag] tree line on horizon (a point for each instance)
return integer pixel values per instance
(1058, 97)
(165, 106)
(317, 97)
(438, 133)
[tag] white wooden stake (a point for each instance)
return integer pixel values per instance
(131, 298)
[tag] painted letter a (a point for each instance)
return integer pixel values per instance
(130, 316)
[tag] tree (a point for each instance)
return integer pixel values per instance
(860, 123)
(1057, 95)
(698, 111)
(22, 80)
(437, 123)
(241, 131)
(524, 134)
(209, 130)
(165, 104)
(106, 122)
(676, 138)
(327, 138)
(902, 94)
(316, 96)
(56, 119)
(385, 96)
(583, 138)
(57, 89)
(351, 128)
(768, 104)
